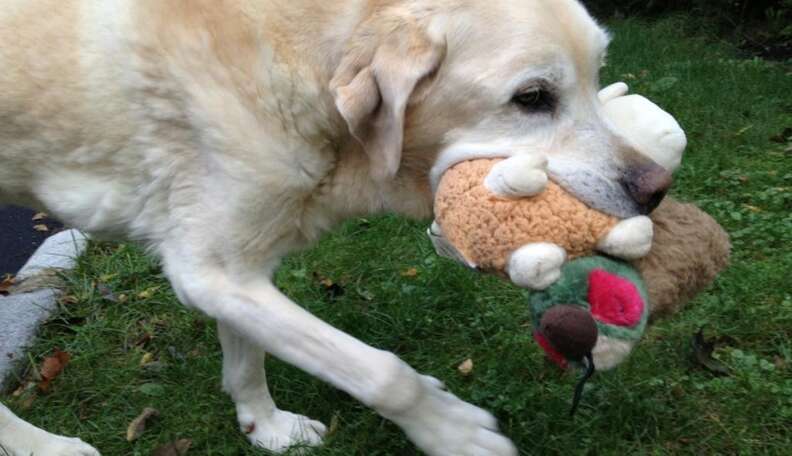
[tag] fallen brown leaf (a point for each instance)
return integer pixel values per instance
(702, 354)
(143, 340)
(330, 287)
(41, 227)
(147, 358)
(409, 272)
(27, 402)
(106, 292)
(177, 448)
(334, 423)
(5, 284)
(51, 367)
(147, 293)
(69, 299)
(39, 216)
(138, 425)
(466, 368)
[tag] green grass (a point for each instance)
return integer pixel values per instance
(659, 402)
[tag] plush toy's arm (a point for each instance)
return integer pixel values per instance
(630, 239)
(534, 266)
(522, 172)
(518, 176)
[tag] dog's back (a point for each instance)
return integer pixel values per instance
(68, 134)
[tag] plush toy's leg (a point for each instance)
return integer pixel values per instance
(630, 239)
(518, 176)
(536, 266)
(609, 352)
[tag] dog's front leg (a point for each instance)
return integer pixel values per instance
(19, 438)
(437, 421)
(245, 381)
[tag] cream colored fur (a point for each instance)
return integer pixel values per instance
(224, 134)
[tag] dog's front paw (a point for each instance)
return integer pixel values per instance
(630, 239)
(279, 430)
(441, 424)
(518, 176)
(55, 445)
(536, 266)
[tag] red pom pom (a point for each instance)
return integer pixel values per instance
(551, 352)
(614, 300)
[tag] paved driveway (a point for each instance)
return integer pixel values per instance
(18, 237)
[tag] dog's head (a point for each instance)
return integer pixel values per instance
(425, 84)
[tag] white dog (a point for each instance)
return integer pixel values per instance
(224, 134)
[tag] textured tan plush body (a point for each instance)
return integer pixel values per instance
(487, 228)
(689, 250)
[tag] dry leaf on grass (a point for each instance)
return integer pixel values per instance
(177, 448)
(41, 227)
(147, 358)
(51, 367)
(68, 299)
(5, 284)
(410, 272)
(39, 216)
(25, 395)
(329, 286)
(106, 292)
(334, 423)
(138, 425)
(702, 354)
(147, 293)
(466, 368)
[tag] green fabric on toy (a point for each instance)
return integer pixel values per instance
(598, 303)
(614, 298)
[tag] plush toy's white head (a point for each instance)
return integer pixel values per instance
(652, 131)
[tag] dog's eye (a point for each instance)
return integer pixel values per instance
(535, 101)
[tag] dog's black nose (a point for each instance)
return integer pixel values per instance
(647, 185)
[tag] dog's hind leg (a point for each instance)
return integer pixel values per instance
(19, 438)
(245, 381)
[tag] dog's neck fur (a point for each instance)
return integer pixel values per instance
(330, 165)
(409, 193)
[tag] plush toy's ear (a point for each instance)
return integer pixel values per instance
(373, 87)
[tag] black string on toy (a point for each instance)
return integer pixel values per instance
(582, 383)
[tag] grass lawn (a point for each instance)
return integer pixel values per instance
(438, 315)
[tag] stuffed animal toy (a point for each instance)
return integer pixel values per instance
(598, 309)
(593, 309)
(527, 239)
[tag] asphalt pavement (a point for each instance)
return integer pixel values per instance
(19, 238)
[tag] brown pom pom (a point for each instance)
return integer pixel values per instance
(571, 330)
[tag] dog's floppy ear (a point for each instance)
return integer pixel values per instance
(373, 87)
